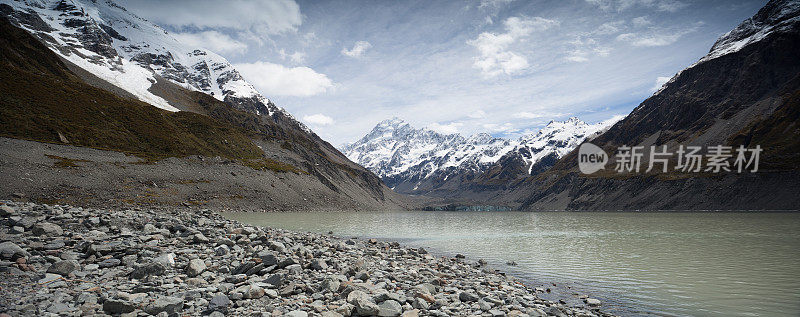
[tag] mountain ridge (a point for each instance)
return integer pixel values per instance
(276, 139)
(407, 158)
(744, 92)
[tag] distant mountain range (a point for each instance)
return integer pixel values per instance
(422, 161)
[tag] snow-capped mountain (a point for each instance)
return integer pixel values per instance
(775, 17)
(132, 53)
(403, 155)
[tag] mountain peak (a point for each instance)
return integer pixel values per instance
(776, 15)
(393, 122)
(404, 156)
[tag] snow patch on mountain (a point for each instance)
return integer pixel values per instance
(395, 148)
(775, 16)
(128, 51)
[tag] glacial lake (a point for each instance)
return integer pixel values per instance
(638, 264)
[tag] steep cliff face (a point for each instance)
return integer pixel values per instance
(744, 92)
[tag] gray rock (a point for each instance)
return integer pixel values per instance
(170, 305)
(274, 279)
(64, 267)
(420, 303)
(118, 306)
(329, 284)
(592, 301)
(52, 280)
(6, 211)
(297, 313)
(554, 311)
(149, 269)
(319, 264)
(362, 275)
(467, 297)
(112, 262)
(46, 228)
(277, 246)
(389, 308)
(426, 288)
(363, 303)
(219, 302)
(9, 250)
(195, 267)
(200, 238)
(222, 250)
(497, 313)
(149, 229)
(166, 259)
(294, 269)
(54, 245)
(254, 292)
(268, 258)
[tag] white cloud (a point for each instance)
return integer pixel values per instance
(660, 81)
(537, 115)
(622, 5)
(215, 41)
(527, 115)
(296, 57)
(478, 114)
(641, 21)
(495, 58)
(584, 49)
(650, 40)
(495, 127)
(358, 49)
(259, 16)
(318, 119)
(493, 3)
(278, 80)
(609, 28)
(449, 128)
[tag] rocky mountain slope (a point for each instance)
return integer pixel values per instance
(47, 97)
(746, 91)
(422, 161)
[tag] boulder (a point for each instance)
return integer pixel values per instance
(118, 306)
(9, 250)
(219, 302)
(363, 303)
(46, 228)
(149, 269)
(170, 305)
(389, 308)
(63, 267)
(195, 267)
(467, 297)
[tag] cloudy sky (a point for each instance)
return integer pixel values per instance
(505, 67)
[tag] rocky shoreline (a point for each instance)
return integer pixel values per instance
(71, 261)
